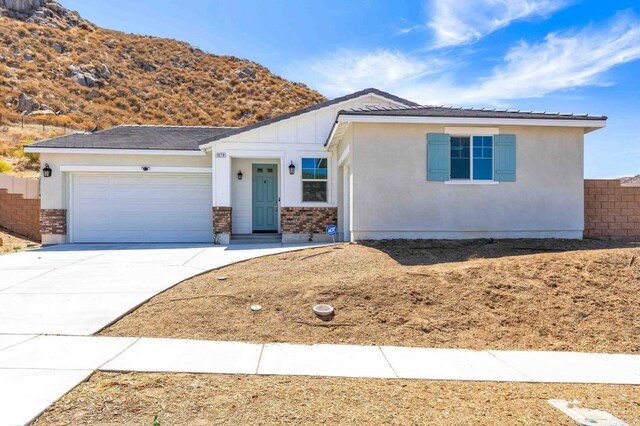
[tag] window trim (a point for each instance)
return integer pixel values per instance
(303, 180)
(471, 180)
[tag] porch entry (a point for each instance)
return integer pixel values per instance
(264, 198)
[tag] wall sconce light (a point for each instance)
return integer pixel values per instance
(46, 171)
(239, 174)
(292, 168)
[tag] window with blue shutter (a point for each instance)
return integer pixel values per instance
(505, 158)
(473, 158)
(438, 156)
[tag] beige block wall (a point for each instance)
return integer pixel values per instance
(612, 211)
(393, 199)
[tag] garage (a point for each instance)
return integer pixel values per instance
(140, 207)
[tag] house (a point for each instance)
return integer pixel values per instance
(376, 165)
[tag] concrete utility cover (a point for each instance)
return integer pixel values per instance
(586, 416)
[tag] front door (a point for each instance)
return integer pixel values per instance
(265, 198)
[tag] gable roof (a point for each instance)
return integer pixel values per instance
(179, 138)
(446, 111)
(369, 91)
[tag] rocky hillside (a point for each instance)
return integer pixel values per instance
(630, 180)
(55, 64)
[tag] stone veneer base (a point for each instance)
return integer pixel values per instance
(53, 221)
(306, 220)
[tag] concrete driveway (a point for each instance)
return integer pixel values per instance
(78, 289)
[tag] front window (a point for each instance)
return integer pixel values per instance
(314, 179)
(472, 157)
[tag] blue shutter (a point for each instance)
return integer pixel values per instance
(438, 156)
(505, 158)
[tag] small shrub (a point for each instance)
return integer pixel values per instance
(5, 167)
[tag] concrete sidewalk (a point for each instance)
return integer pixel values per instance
(37, 370)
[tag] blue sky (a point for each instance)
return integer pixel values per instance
(548, 55)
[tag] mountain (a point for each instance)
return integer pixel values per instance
(630, 180)
(55, 64)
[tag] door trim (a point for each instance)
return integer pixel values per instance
(277, 187)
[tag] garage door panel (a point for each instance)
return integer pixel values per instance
(141, 208)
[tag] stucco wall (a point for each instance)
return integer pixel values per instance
(393, 199)
(54, 189)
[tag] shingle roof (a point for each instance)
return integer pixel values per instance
(445, 111)
(313, 108)
(181, 138)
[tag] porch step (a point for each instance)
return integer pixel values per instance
(256, 238)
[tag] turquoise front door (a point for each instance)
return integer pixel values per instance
(265, 197)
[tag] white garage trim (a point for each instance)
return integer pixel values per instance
(184, 210)
(135, 169)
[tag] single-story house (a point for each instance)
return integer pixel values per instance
(374, 164)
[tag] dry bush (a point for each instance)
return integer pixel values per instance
(187, 86)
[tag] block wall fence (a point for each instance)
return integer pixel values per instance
(611, 211)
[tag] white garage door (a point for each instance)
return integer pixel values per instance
(141, 208)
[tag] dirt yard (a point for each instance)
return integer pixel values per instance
(508, 294)
(13, 243)
(190, 399)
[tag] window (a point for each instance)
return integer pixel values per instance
(314, 179)
(460, 152)
(472, 157)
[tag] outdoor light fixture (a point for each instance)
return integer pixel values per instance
(292, 168)
(46, 171)
(239, 174)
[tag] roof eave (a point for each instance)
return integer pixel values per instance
(591, 123)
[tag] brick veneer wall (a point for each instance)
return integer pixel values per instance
(611, 211)
(53, 221)
(222, 220)
(304, 220)
(20, 215)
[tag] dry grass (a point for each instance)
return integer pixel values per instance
(465, 294)
(12, 243)
(189, 399)
(13, 139)
(152, 81)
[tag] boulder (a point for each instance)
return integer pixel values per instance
(92, 95)
(28, 55)
(103, 71)
(147, 66)
(57, 47)
(42, 112)
(26, 103)
(81, 77)
(84, 79)
(246, 73)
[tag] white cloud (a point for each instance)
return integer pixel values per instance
(347, 71)
(561, 61)
(456, 22)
